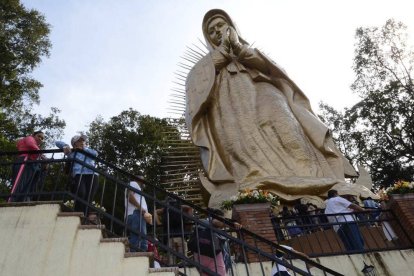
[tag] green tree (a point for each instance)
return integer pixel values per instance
(335, 120)
(131, 141)
(134, 143)
(378, 131)
(23, 42)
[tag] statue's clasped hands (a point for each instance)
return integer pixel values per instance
(230, 40)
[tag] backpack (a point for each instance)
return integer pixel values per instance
(206, 240)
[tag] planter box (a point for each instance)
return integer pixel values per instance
(257, 219)
(403, 207)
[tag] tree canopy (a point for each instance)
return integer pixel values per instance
(131, 141)
(23, 42)
(378, 131)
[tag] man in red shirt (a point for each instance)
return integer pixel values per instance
(25, 175)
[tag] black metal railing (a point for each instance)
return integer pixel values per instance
(336, 234)
(48, 175)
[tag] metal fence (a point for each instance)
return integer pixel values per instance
(342, 233)
(102, 196)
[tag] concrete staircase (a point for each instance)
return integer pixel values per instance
(39, 240)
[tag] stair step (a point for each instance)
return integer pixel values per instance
(150, 256)
(92, 226)
(70, 214)
(174, 270)
(139, 254)
(122, 239)
(29, 203)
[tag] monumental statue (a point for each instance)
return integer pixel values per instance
(254, 126)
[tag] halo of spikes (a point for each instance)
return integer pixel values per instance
(181, 162)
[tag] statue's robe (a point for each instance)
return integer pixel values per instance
(255, 127)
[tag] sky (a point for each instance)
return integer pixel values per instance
(108, 56)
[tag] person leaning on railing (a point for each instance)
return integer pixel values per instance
(348, 230)
(25, 175)
(137, 217)
(84, 180)
(289, 220)
(372, 205)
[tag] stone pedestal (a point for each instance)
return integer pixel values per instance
(403, 207)
(257, 219)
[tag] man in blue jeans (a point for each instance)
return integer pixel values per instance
(137, 218)
(348, 229)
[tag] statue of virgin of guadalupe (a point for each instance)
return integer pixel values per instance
(255, 128)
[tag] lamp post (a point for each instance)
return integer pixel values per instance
(369, 270)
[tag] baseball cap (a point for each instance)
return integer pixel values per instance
(77, 138)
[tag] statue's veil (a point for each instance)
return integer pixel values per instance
(212, 14)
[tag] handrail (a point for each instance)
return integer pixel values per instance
(114, 181)
(319, 232)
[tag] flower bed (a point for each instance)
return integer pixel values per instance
(400, 187)
(249, 196)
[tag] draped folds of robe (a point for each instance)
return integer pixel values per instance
(255, 127)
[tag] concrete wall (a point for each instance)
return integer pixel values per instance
(36, 241)
(395, 263)
(389, 263)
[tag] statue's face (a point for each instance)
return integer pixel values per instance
(216, 29)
